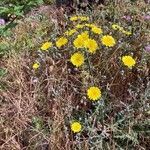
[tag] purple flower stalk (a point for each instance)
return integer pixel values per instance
(128, 18)
(147, 17)
(147, 48)
(2, 22)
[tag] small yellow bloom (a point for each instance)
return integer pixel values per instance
(126, 32)
(87, 25)
(79, 41)
(80, 26)
(35, 66)
(46, 46)
(128, 61)
(94, 93)
(83, 18)
(76, 127)
(70, 32)
(91, 44)
(73, 18)
(84, 35)
(61, 42)
(108, 40)
(77, 59)
(116, 27)
(90, 25)
(97, 30)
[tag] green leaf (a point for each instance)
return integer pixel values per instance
(37, 122)
(3, 72)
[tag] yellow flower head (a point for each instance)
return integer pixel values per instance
(70, 32)
(76, 127)
(108, 40)
(46, 46)
(77, 59)
(90, 25)
(83, 18)
(94, 93)
(128, 61)
(80, 26)
(79, 41)
(97, 30)
(35, 66)
(116, 27)
(126, 32)
(61, 42)
(84, 35)
(73, 18)
(91, 44)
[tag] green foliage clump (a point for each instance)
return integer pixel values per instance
(12, 10)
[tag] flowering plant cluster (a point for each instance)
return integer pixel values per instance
(83, 42)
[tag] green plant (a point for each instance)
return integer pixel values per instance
(3, 72)
(13, 10)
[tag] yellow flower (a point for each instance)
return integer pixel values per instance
(46, 46)
(87, 25)
(83, 18)
(84, 35)
(97, 30)
(70, 32)
(94, 93)
(90, 25)
(35, 66)
(73, 18)
(116, 27)
(126, 32)
(128, 61)
(80, 26)
(108, 40)
(61, 41)
(77, 59)
(76, 127)
(79, 41)
(91, 44)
